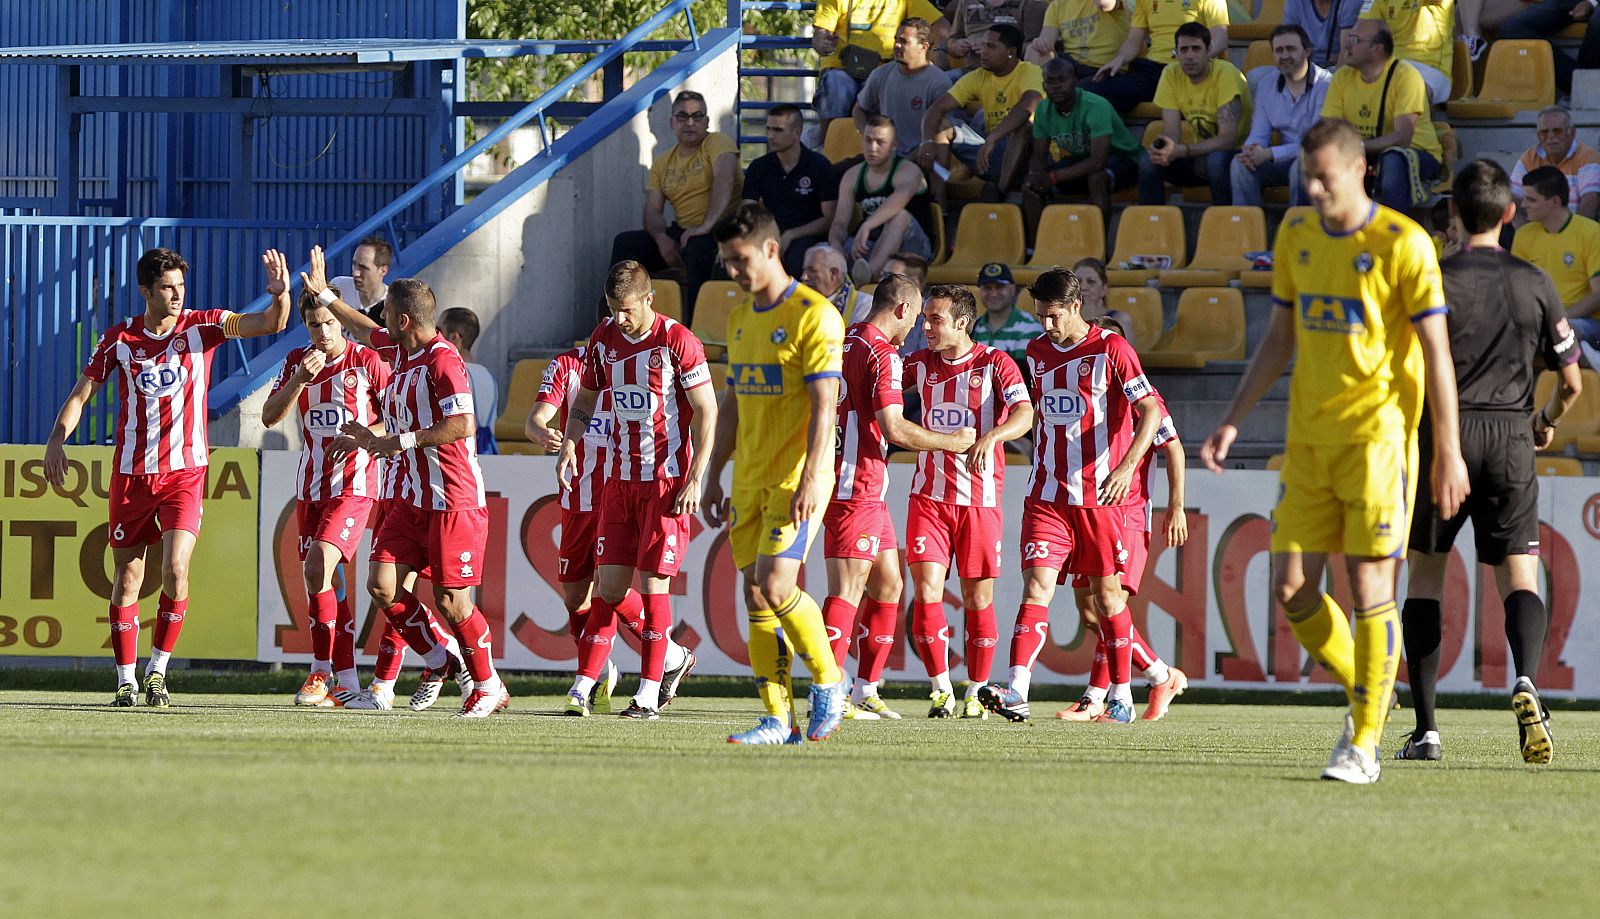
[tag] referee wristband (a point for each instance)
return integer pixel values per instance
(408, 440)
(327, 296)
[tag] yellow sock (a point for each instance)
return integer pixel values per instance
(769, 658)
(1377, 655)
(802, 624)
(1324, 632)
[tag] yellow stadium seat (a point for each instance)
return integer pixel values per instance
(1025, 302)
(1460, 71)
(719, 377)
(669, 297)
(1557, 465)
(1013, 458)
(1259, 54)
(1269, 17)
(1143, 111)
(985, 233)
(1067, 232)
(510, 429)
(843, 140)
(904, 457)
(711, 308)
(1210, 327)
(1226, 234)
(1580, 426)
(1143, 305)
(1153, 229)
(936, 234)
(1519, 77)
(1275, 462)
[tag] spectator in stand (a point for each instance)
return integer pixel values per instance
(1325, 22)
(1002, 325)
(971, 20)
(1558, 146)
(1473, 15)
(1158, 22)
(1080, 147)
(1089, 32)
(364, 287)
(1377, 84)
(1424, 35)
(1213, 98)
(827, 273)
(795, 183)
(914, 267)
(1007, 89)
(854, 38)
(700, 178)
(1289, 105)
(1567, 247)
(1546, 19)
(893, 196)
(1092, 277)
(905, 88)
(460, 328)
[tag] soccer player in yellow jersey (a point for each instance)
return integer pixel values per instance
(1363, 313)
(776, 422)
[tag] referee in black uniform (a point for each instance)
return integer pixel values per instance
(1506, 321)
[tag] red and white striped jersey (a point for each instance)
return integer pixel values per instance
(1084, 394)
(427, 387)
(560, 385)
(978, 391)
(649, 380)
(161, 415)
(1139, 489)
(871, 381)
(349, 388)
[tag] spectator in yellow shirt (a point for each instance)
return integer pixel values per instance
(1007, 89)
(1157, 21)
(1210, 96)
(1088, 31)
(1565, 245)
(1424, 35)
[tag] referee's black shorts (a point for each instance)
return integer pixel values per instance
(1504, 503)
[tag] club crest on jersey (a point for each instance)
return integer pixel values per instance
(1567, 258)
(181, 346)
(655, 360)
(975, 381)
(1305, 256)
(351, 380)
(780, 335)
(1084, 369)
(1364, 262)
(804, 185)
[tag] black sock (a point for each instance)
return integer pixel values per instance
(1420, 625)
(1526, 624)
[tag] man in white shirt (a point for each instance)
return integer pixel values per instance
(365, 287)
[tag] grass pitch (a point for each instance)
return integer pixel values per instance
(231, 805)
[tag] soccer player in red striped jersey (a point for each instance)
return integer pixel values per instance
(859, 543)
(663, 416)
(580, 512)
(442, 525)
(331, 381)
(162, 361)
(1082, 510)
(955, 498)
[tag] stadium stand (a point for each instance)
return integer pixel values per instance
(1143, 305)
(1266, 19)
(843, 141)
(1258, 54)
(510, 427)
(669, 297)
(1146, 230)
(984, 233)
(1544, 464)
(1520, 76)
(1580, 426)
(1067, 232)
(1226, 234)
(1210, 327)
(711, 309)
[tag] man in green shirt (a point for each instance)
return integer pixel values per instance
(1080, 147)
(1002, 326)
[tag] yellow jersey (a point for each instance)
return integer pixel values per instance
(872, 23)
(1422, 30)
(686, 180)
(1090, 35)
(1570, 256)
(1161, 18)
(773, 352)
(997, 96)
(1357, 101)
(1358, 371)
(1198, 103)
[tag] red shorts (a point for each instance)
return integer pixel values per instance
(1088, 541)
(638, 528)
(1137, 542)
(576, 555)
(145, 506)
(449, 544)
(337, 521)
(857, 529)
(936, 532)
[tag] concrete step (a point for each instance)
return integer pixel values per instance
(1197, 418)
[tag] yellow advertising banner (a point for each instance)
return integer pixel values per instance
(55, 570)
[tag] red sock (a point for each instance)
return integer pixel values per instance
(391, 653)
(344, 636)
(1030, 634)
(324, 615)
(125, 634)
(1100, 670)
(875, 637)
(981, 636)
(599, 631)
(1114, 630)
(576, 619)
(1143, 656)
(930, 635)
(653, 643)
(412, 620)
(169, 622)
(630, 612)
(476, 646)
(839, 618)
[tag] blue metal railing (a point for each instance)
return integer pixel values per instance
(753, 42)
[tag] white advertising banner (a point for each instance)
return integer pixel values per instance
(1205, 607)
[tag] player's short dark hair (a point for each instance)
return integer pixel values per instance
(1290, 28)
(1332, 132)
(1549, 182)
(306, 302)
(413, 298)
(1009, 35)
(921, 28)
(1057, 286)
(749, 221)
(157, 262)
(382, 252)
(626, 280)
(1482, 190)
(688, 95)
(1195, 31)
(963, 305)
(893, 289)
(458, 320)
(788, 109)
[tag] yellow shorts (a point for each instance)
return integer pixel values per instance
(761, 525)
(1349, 498)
